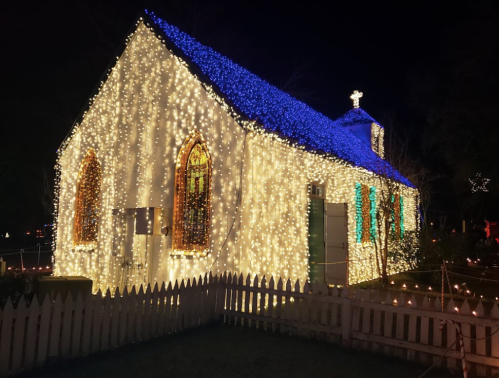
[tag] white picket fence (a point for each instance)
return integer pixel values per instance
(364, 320)
(32, 336)
(57, 330)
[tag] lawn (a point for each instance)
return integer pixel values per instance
(228, 351)
(473, 284)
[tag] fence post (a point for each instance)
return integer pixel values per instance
(494, 338)
(346, 319)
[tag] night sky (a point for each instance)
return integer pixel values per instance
(54, 57)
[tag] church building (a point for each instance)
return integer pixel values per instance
(186, 163)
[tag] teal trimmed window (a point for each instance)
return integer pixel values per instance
(365, 213)
(402, 227)
(358, 208)
(372, 201)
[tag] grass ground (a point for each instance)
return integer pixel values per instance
(480, 284)
(228, 351)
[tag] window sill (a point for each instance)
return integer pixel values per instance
(177, 254)
(83, 249)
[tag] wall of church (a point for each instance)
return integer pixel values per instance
(275, 209)
(137, 124)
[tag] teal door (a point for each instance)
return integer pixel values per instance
(316, 240)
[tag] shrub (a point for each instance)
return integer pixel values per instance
(17, 285)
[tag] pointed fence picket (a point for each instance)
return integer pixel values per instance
(96, 323)
(77, 323)
(104, 345)
(425, 331)
(67, 315)
(19, 324)
(43, 335)
(33, 318)
(115, 319)
(139, 310)
(87, 325)
(57, 329)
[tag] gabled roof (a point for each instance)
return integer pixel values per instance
(355, 116)
(276, 110)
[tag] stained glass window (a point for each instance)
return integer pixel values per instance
(192, 197)
(398, 228)
(87, 200)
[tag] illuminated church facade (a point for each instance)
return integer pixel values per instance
(186, 163)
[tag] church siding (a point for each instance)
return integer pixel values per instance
(137, 124)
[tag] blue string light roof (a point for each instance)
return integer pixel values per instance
(355, 116)
(276, 110)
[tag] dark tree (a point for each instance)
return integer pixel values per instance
(458, 94)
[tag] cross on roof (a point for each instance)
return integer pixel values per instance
(355, 97)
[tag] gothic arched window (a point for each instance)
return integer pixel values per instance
(192, 203)
(87, 200)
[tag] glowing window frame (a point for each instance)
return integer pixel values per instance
(365, 213)
(87, 236)
(178, 245)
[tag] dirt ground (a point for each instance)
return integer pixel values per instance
(229, 351)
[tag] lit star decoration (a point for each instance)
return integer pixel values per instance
(265, 149)
(479, 183)
(356, 95)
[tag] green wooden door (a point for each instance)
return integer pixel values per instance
(316, 240)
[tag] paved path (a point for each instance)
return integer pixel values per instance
(227, 351)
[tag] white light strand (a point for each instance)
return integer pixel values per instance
(137, 123)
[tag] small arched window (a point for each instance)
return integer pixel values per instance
(192, 202)
(87, 200)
